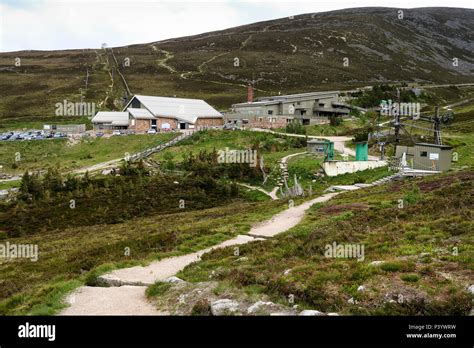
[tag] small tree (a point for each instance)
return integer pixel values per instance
(295, 127)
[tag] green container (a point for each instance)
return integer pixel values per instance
(362, 151)
(329, 151)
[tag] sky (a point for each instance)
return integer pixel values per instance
(64, 24)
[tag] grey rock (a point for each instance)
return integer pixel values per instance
(376, 263)
(224, 306)
(311, 312)
(257, 306)
(173, 280)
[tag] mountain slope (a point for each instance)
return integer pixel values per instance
(285, 55)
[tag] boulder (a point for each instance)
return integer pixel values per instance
(224, 306)
(173, 280)
(376, 263)
(311, 312)
(257, 306)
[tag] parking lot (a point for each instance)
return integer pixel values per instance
(31, 135)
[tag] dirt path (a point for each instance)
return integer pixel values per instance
(164, 61)
(271, 194)
(126, 291)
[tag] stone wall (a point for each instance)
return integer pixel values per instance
(212, 122)
(334, 168)
(141, 126)
(161, 120)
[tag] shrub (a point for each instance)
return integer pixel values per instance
(157, 289)
(201, 307)
(412, 278)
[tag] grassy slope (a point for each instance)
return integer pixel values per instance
(437, 216)
(322, 41)
(36, 155)
(76, 255)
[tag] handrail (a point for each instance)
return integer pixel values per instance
(161, 146)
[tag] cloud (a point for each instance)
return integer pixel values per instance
(60, 24)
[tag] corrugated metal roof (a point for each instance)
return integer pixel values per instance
(257, 103)
(143, 114)
(447, 147)
(111, 117)
(188, 110)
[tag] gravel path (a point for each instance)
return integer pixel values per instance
(126, 294)
(124, 300)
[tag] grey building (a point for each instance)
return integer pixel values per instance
(65, 128)
(425, 156)
(432, 157)
(310, 108)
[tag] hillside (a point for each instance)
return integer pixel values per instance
(301, 53)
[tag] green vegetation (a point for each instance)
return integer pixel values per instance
(368, 217)
(52, 202)
(4, 185)
(157, 289)
(373, 97)
(42, 154)
(295, 127)
(76, 255)
(203, 68)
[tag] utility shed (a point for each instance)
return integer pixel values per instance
(408, 150)
(316, 145)
(432, 157)
(323, 147)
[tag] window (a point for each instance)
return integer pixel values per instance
(260, 119)
(133, 121)
(298, 103)
(244, 121)
(270, 112)
(423, 154)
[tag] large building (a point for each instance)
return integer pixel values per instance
(161, 113)
(277, 111)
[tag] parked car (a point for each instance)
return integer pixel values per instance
(99, 134)
(6, 136)
(116, 132)
(151, 131)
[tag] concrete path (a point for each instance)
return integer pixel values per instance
(126, 294)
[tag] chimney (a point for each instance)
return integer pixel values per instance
(249, 93)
